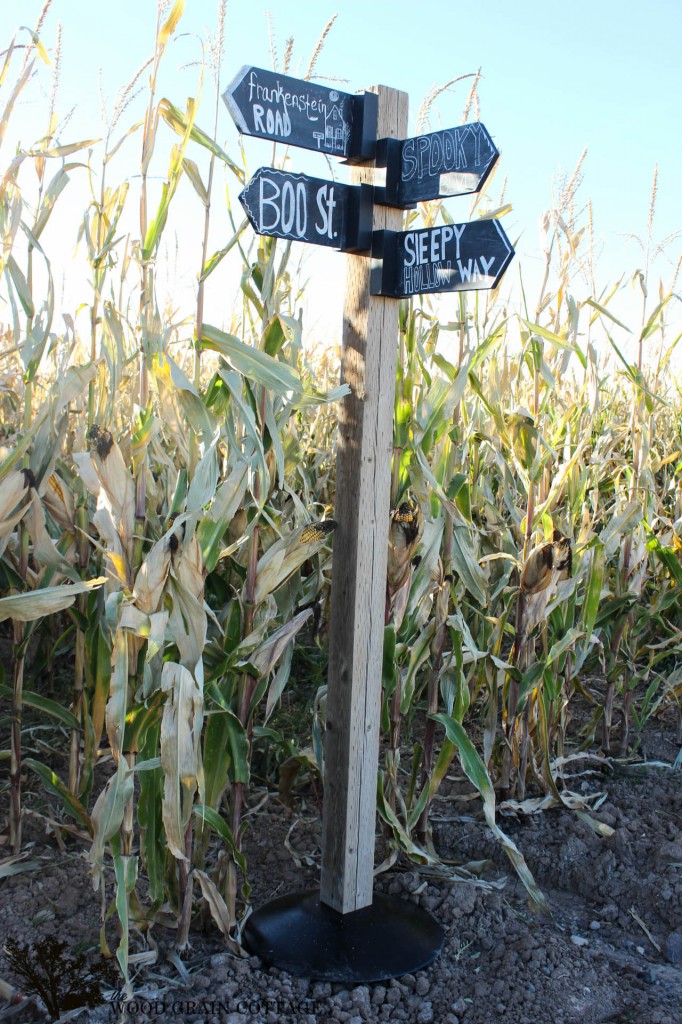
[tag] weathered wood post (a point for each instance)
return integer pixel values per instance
(363, 469)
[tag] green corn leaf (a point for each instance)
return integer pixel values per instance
(278, 377)
(52, 193)
(465, 563)
(175, 171)
(21, 285)
(653, 322)
(152, 837)
(44, 704)
(476, 772)
(125, 870)
(220, 826)
(273, 374)
(176, 120)
(213, 261)
(557, 341)
(229, 497)
(666, 556)
(565, 643)
(139, 720)
(54, 785)
(388, 673)
(593, 587)
(194, 175)
(401, 837)
(217, 757)
(239, 747)
(605, 312)
(248, 424)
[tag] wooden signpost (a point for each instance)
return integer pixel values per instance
(358, 604)
(346, 932)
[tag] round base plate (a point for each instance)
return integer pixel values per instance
(301, 935)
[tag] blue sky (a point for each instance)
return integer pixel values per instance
(556, 78)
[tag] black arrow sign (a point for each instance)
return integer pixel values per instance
(304, 209)
(305, 114)
(451, 162)
(451, 258)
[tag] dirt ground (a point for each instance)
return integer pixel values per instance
(611, 951)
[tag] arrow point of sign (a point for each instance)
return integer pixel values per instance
(494, 156)
(245, 197)
(508, 246)
(228, 97)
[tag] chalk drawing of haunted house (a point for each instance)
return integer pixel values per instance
(336, 130)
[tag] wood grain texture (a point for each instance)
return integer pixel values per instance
(363, 468)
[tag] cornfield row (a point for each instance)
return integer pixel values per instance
(166, 520)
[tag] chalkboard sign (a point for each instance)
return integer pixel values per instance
(451, 162)
(305, 209)
(304, 114)
(451, 258)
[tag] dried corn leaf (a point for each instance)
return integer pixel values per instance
(87, 472)
(73, 384)
(262, 661)
(612, 534)
(181, 726)
(171, 23)
(37, 603)
(45, 551)
(117, 496)
(151, 577)
(58, 501)
(14, 499)
(17, 865)
(104, 523)
(115, 715)
(134, 621)
(188, 617)
(219, 911)
(107, 816)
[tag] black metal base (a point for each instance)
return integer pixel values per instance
(301, 935)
